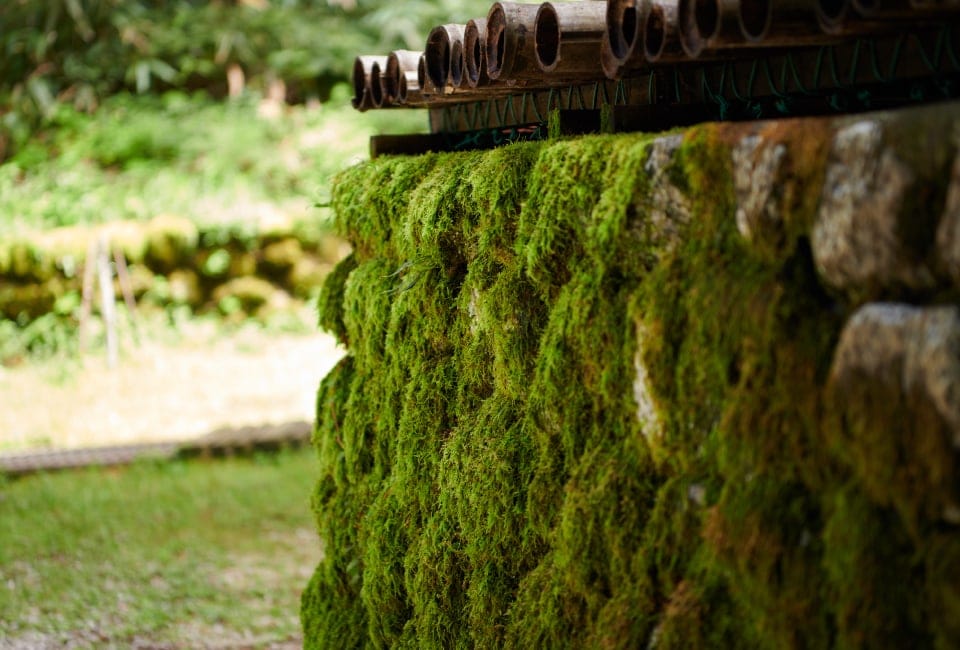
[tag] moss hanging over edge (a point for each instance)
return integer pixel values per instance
(581, 410)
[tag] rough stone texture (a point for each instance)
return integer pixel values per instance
(639, 391)
(755, 172)
(667, 207)
(895, 381)
(647, 415)
(859, 241)
(948, 232)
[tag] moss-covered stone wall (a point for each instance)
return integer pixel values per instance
(694, 390)
(241, 269)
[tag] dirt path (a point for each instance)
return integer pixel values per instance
(175, 386)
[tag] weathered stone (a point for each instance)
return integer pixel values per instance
(858, 240)
(647, 415)
(895, 383)
(332, 248)
(948, 231)
(251, 293)
(30, 300)
(184, 287)
(141, 280)
(932, 365)
(171, 241)
(279, 257)
(666, 206)
(756, 167)
(307, 275)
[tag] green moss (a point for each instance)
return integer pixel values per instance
(249, 293)
(171, 241)
(330, 300)
(27, 301)
(278, 258)
(561, 426)
(873, 577)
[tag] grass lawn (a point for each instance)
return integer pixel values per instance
(179, 554)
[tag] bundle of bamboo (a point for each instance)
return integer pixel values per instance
(657, 54)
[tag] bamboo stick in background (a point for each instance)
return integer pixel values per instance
(123, 279)
(107, 301)
(86, 300)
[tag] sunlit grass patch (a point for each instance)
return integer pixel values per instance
(158, 551)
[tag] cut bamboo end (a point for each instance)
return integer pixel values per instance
(474, 52)
(439, 53)
(567, 37)
(376, 83)
(408, 89)
(661, 34)
(623, 18)
(782, 23)
(423, 79)
(755, 17)
(831, 15)
(698, 21)
(362, 87)
(400, 63)
(884, 9)
(509, 46)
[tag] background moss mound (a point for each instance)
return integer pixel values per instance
(587, 404)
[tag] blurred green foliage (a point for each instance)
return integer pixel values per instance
(209, 161)
(80, 51)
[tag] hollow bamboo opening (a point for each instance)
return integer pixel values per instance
(496, 40)
(655, 33)
(437, 53)
(474, 36)
(755, 16)
(547, 36)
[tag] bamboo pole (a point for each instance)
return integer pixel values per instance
(439, 53)
(624, 21)
(567, 38)
(509, 45)
(886, 9)
(781, 23)
(474, 53)
(362, 92)
(86, 300)
(708, 25)
(107, 301)
(427, 88)
(661, 34)
(123, 279)
(455, 76)
(832, 15)
(400, 64)
(376, 83)
(410, 93)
